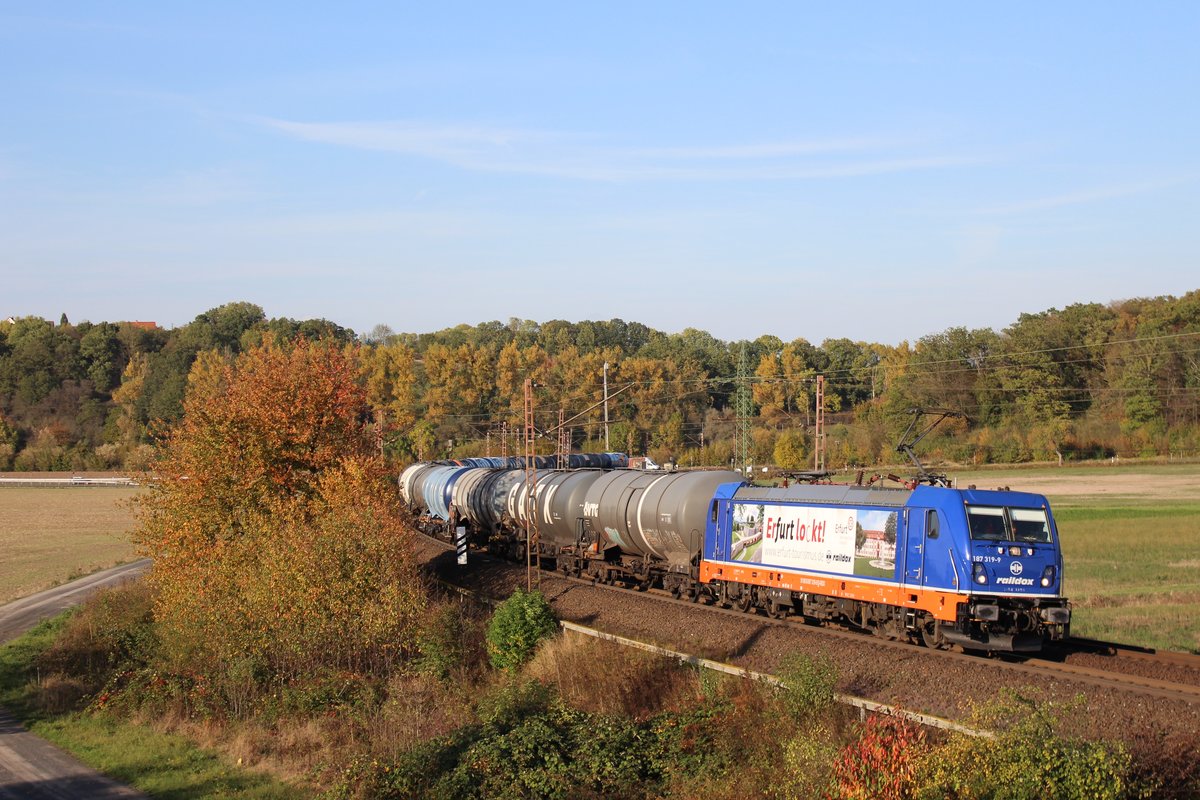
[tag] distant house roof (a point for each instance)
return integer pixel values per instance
(150, 326)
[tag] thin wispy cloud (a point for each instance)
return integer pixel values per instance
(14, 24)
(582, 157)
(1084, 196)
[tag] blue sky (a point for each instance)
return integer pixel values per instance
(870, 171)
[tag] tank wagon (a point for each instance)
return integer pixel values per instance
(942, 566)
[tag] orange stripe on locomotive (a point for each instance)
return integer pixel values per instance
(939, 604)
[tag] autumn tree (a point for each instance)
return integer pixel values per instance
(389, 376)
(276, 543)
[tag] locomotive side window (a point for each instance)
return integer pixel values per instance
(1030, 525)
(987, 523)
(931, 524)
(714, 511)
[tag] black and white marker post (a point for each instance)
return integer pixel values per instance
(460, 543)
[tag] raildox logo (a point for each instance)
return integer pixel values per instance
(1015, 568)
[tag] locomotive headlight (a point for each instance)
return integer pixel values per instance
(978, 573)
(1048, 576)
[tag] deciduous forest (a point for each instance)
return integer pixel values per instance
(1086, 381)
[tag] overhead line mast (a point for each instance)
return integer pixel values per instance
(819, 430)
(744, 409)
(532, 539)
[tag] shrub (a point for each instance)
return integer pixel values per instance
(1026, 758)
(112, 632)
(520, 622)
(528, 745)
(881, 763)
(808, 684)
(443, 643)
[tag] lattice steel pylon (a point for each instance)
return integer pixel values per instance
(533, 541)
(819, 428)
(564, 441)
(744, 408)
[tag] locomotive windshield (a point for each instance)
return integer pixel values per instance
(996, 524)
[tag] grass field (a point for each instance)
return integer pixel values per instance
(1131, 547)
(50, 535)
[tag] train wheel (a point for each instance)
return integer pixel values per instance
(931, 636)
(776, 610)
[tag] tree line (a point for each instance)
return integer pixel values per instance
(1087, 381)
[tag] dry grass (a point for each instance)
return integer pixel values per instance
(51, 535)
(603, 678)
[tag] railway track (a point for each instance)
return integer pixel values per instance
(1109, 667)
(1099, 677)
(1131, 652)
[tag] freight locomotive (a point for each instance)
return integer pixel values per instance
(942, 566)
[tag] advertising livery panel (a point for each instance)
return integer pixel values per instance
(845, 539)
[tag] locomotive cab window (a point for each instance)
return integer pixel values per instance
(714, 511)
(987, 523)
(1030, 525)
(1008, 524)
(931, 524)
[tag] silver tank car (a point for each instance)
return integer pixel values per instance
(558, 506)
(657, 515)
(645, 515)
